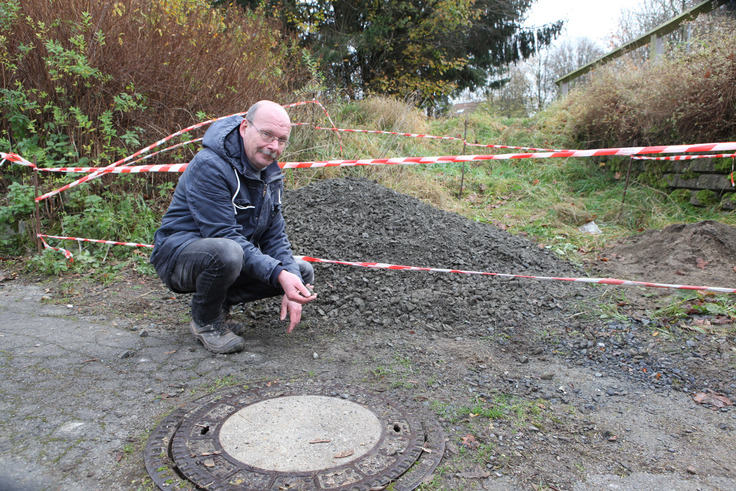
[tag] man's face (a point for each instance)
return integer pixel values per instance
(268, 122)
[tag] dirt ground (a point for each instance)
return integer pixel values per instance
(537, 384)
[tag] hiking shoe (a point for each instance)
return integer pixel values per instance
(237, 328)
(216, 337)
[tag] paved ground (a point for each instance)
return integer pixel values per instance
(76, 399)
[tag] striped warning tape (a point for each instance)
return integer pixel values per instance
(628, 151)
(121, 170)
(104, 170)
(601, 281)
(397, 267)
(112, 242)
(431, 137)
(732, 156)
(67, 254)
(16, 159)
(689, 157)
(107, 169)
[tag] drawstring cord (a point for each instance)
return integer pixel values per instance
(238, 207)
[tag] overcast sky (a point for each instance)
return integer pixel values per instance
(594, 19)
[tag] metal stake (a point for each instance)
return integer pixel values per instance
(465, 143)
(37, 215)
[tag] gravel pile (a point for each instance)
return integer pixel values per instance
(359, 220)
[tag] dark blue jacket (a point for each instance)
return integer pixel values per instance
(221, 195)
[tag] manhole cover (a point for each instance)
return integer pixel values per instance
(296, 435)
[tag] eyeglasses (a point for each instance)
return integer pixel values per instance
(267, 137)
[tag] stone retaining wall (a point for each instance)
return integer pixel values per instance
(708, 181)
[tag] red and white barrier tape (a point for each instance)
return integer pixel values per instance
(105, 170)
(167, 149)
(603, 281)
(422, 160)
(397, 267)
(112, 242)
(16, 159)
(431, 137)
(689, 157)
(627, 151)
(329, 118)
(67, 254)
(121, 170)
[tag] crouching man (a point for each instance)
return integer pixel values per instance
(223, 236)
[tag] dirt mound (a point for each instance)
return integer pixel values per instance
(358, 220)
(702, 254)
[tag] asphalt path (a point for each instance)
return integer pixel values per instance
(77, 399)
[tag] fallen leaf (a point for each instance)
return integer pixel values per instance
(617, 176)
(701, 263)
(476, 472)
(469, 441)
(680, 273)
(346, 453)
(209, 463)
(714, 399)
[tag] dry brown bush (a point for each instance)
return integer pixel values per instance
(690, 97)
(186, 58)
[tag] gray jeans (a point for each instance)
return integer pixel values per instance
(213, 270)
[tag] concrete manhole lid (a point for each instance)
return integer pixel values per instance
(295, 435)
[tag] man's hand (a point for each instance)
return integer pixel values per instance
(296, 294)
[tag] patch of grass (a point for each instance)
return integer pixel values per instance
(701, 312)
(511, 409)
(226, 381)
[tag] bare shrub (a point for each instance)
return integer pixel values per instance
(690, 97)
(181, 59)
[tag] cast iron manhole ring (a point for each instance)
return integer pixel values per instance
(259, 438)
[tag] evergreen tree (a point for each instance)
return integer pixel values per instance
(426, 49)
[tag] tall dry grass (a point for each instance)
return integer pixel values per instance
(689, 97)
